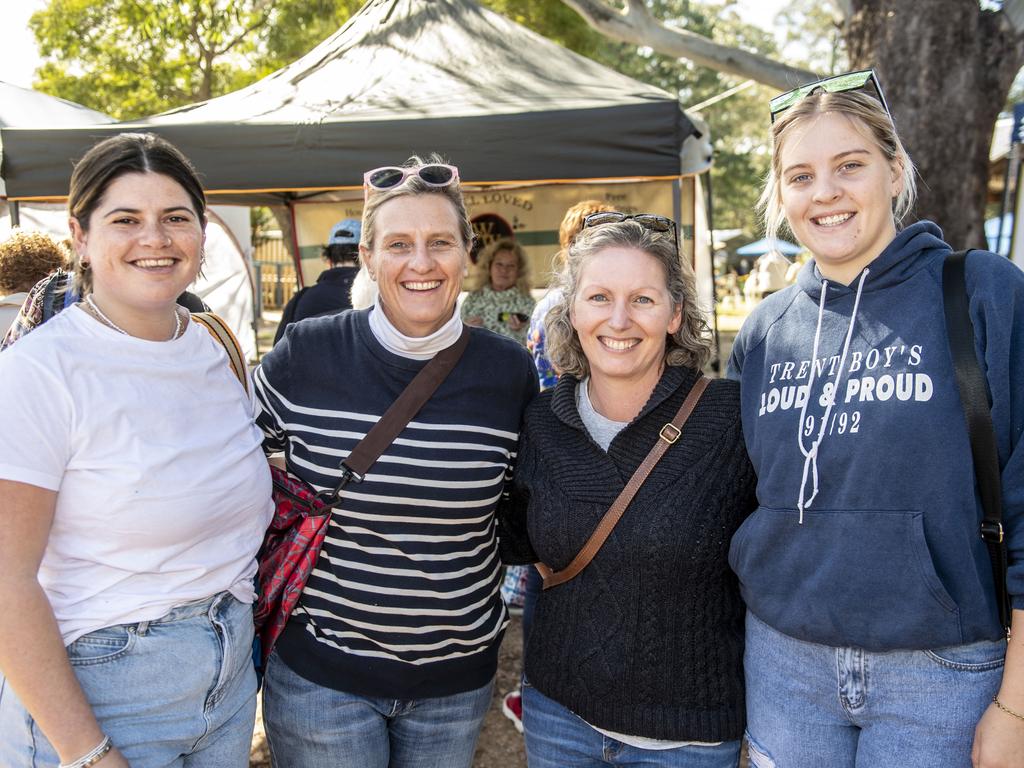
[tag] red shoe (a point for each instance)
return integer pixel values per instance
(512, 708)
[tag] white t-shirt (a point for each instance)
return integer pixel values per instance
(163, 489)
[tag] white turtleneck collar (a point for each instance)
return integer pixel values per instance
(412, 347)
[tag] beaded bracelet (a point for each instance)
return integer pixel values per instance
(1006, 709)
(96, 754)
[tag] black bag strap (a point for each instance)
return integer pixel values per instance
(416, 393)
(970, 380)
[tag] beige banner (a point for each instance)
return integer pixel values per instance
(532, 215)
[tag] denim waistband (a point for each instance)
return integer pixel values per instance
(184, 611)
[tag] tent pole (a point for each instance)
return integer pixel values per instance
(708, 207)
(14, 207)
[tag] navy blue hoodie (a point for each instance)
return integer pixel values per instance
(867, 533)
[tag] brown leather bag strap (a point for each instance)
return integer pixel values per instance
(416, 393)
(666, 437)
(222, 334)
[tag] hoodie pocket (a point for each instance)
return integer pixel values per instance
(845, 577)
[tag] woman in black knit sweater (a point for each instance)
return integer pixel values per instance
(638, 659)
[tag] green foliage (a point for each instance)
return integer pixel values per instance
(738, 123)
(131, 58)
(814, 38)
(298, 26)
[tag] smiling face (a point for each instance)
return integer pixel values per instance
(504, 270)
(622, 313)
(837, 191)
(418, 259)
(143, 243)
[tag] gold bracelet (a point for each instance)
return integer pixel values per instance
(1006, 709)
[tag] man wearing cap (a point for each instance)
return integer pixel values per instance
(331, 294)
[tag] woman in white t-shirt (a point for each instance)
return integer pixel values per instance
(133, 496)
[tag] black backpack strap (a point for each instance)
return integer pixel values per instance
(970, 380)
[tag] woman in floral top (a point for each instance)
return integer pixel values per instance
(504, 304)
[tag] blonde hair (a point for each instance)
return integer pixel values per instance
(688, 346)
(866, 113)
(414, 186)
(572, 223)
(506, 244)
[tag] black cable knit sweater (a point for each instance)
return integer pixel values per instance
(648, 639)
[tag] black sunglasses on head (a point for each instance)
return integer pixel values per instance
(864, 80)
(651, 221)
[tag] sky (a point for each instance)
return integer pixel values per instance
(19, 57)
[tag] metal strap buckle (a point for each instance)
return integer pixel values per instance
(991, 533)
(672, 436)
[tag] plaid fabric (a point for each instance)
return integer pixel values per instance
(29, 316)
(33, 312)
(289, 552)
(513, 586)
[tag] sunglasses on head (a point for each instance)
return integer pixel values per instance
(864, 80)
(650, 221)
(393, 176)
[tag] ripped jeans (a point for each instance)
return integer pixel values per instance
(812, 705)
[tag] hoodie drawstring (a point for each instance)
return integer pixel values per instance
(811, 454)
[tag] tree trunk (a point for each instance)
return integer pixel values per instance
(946, 68)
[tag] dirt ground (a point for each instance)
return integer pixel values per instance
(500, 746)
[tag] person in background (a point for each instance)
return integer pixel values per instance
(389, 658)
(332, 292)
(25, 259)
(522, 582)
(503, 304)
(637, 660)
(134, 496)
(769, 274)
(873, 634)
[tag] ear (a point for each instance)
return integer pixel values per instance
(896, 171)
(79, 237)
(366, 259)
(677, 320)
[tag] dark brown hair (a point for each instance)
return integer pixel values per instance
(115, 157)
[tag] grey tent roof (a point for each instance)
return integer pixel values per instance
(24, 108)
(402, 76)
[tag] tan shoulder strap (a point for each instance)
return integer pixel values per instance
(666, 437)
(223, 336)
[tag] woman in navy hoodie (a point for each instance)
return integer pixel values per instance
(873, 636)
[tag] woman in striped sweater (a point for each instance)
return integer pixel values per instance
(389, 658)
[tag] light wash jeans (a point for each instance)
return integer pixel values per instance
(812, 705)
(312, 726)
(557, 738)
(177, 692)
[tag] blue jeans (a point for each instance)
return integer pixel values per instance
(177, 692)
(556, 738)
(811, 705)
(312, 726)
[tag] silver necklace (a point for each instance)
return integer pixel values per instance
(119, 329)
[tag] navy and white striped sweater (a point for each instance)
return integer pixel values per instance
(403, 602)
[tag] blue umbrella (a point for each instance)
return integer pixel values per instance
(763, 245)
(992, 232)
